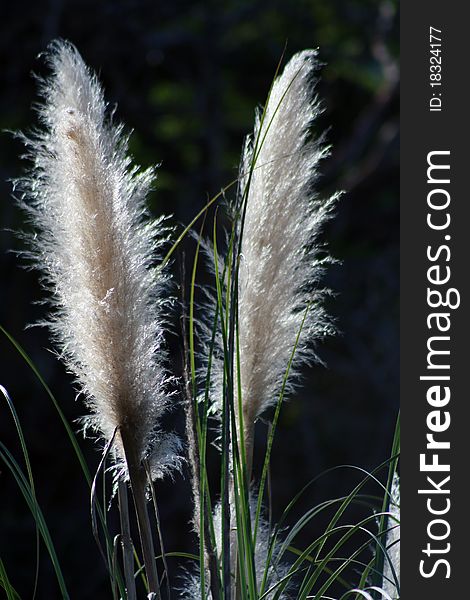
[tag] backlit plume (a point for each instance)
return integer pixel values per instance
(96, 247)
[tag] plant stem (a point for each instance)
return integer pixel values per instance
(194, 459)
(248, 445)
(249, 442)
(127, 553)
(138, 484)
(193, 436)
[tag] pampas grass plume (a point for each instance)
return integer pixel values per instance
(393, 542)
(96, 248)
(265, 557)
(281, 261)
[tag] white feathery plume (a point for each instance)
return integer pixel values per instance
(280, 266)
(96, 248)
(281, 261)
(393, 541)
(277, 570)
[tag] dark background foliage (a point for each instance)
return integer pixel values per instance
(186, 76)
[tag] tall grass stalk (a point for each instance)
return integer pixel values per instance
(97, 251)
(271, 273)
(279, 269)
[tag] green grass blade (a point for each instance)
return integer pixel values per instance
(35, 509)
(24, 448)
(309, 582)
(379, 557)
(72, 438)
(225, 503)
(10, 591)
(195, 219)
(343, 503)
(65, 423)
